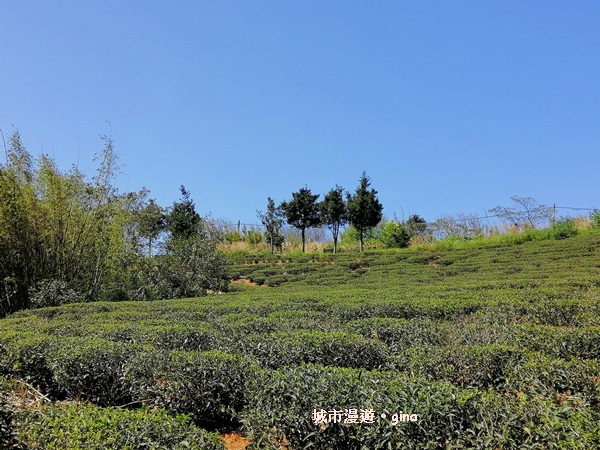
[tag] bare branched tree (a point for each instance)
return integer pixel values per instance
(526, 214)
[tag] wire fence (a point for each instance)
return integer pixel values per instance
(459, 217)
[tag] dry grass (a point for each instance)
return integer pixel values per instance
(582, 223)
(419, 240)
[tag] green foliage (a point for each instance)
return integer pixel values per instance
(151, 222)
(91, 369)
(210, 386)
(52, 293)
(78, 425)
(564, 229)
(351, 235)
(395, 234)
(302, 212)
(446, 415)
(57, 226)
(399, 334)
(183, 219)
(233, 236)
(416, 225)
(364, 209)
(187, 268)
(272, 220)
(65, 238)
(253, 236)
(469, 366)
(6, 415)
(331, 348)
(595, 219)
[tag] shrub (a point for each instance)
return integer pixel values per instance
(564, 229)
(209, 386)
(80, 425)
(399, 334)
(281, 404)
(556, 378)
(92, 369)
(6, 416)
(52, 293)
(179, 337)
(254, 236)
(478, 366)
(561, 342)
(25, 355)
(595, 219)
(327, 348)
(395, 234)
(233, 236)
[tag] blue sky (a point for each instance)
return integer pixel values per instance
(450, 106)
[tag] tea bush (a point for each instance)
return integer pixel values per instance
(85, 426)
(92, 369)
(6, 415)
(495, 344)
(399, 334)
(209, 386)
(468, 366)
(282, 404)
(327, 348)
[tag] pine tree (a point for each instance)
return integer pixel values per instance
(334, 213)
(183, 218)
(302, 212)
(364, 209)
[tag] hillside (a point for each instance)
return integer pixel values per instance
(496, 346)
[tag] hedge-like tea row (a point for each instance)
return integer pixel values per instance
(327, 348)
(474, 366)
(399, 334)
(282, 403)
(562, 342)
(495, 348)
(505, 369)
(86, 426)
(210, 386)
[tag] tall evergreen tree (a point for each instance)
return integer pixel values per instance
(302, 212)
(334, 213)
(364, 209)
(183, 218)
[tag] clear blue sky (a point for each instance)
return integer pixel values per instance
(450, 106)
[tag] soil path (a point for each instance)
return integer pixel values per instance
(235, 441)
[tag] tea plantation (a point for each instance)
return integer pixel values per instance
(493, 346)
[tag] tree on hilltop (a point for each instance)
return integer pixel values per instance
(151, 222)
(528, 213)
(334, 213)
(364, 209)
(302, 211)
(272, 221)
(183, 218)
